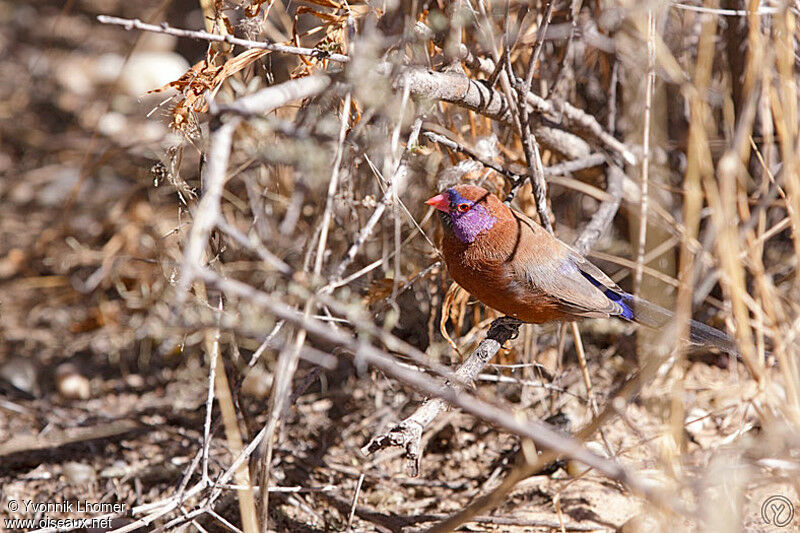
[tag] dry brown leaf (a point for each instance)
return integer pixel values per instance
(255, 8)
(378, 290)
(326, 3)
(328, 17)
(204, 76)
(447, 309)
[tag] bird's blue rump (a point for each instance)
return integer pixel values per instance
(622, 298)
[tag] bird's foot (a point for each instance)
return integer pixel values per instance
(504, 328)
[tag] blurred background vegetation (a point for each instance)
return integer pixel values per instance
(108, 333)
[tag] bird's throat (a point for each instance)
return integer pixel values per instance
(468, 226)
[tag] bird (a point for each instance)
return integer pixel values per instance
(515, 266)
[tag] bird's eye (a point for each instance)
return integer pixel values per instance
(463, 208)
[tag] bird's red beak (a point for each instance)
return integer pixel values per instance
(440, 202)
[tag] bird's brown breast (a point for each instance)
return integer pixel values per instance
(484, 269)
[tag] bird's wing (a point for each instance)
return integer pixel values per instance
(547, 265)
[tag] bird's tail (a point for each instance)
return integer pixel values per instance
(655, 316)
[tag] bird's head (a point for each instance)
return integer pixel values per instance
(466, 210)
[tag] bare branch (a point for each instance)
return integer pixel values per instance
(556, 108)
(275, 96)
(131, 24)
(408, 433)
(602, 218)
(542, 434)
(215, 171)
(458, 89)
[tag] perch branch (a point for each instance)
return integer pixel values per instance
(408, 433)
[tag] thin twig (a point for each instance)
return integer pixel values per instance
(648, 104)
(287, 363)
(587, 381)
(233, 436)
(515, 179)
(529, 143)
(355, 502)
(212, 376)
(542, 434)
(456, 88)
(369, 227)
(408, 433)
(131, 24)
(604, 215)
(557, 109)
(208, 210)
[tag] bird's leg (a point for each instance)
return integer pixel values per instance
(408, 433)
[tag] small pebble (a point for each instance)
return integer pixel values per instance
(146, 71)
(577, 468)
(14, 261)
(71, 384)
(640, 523)
(22, 373)
(257, 383)
(134, 381)
(78, 473)
(118, 469)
